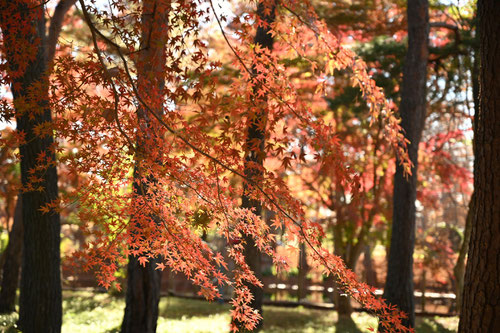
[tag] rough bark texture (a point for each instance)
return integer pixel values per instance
(254, 160)
(481, 298)
(144, 282)
(40, 308)
(40, 298)
(12, 265)
(399, 284)
(143, 296)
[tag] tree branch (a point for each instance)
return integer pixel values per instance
(443, 25)
(56, 25)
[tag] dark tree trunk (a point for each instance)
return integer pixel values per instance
(399, 284)
(481, 298)
(12, 265)
(40, 299)
(254, 160)
(143, 296)
(144, 282)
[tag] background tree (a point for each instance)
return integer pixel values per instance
(195, 170)
(144, 281)
(480, 306)
(255, 152)
(399, 284)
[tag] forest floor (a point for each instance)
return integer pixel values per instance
(87, 312)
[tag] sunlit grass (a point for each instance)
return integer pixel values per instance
(87, 312)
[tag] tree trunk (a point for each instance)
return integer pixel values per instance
(481, 298)
(144, 282)
(342, 303)
(370, 273)
(459, 269)
(399, 284)
(303, 270)
(143, 296)
(341, 300)
(423, 284)
(40, 298)
(12, 265)
(253, 162)
(329, 282)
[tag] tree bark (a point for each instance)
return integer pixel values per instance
(56, 23)
(144, 282)
(399, 284)
(143, 296)
(40, 298)
(12, 265)
(481, 298)
(40, 308)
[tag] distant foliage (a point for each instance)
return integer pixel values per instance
(191, 157)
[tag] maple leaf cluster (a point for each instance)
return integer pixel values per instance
(158, 143)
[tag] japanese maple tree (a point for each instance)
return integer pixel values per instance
(186, 140)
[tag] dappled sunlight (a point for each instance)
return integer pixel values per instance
(88, 312)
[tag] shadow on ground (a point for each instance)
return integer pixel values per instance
(87, 312)
(178, 308)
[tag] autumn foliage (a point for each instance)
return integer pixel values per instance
(192, 132)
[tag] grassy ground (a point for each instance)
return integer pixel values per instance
(85, 312)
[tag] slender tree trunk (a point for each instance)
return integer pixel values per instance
(303, 270)
(423, 287)
(481, 298)
(12, 265)
(40, 299)
(143, 296)
(342, 303)
(459, 269)
(329, 282)
(254, 160)
(144, 282)
(340, 299)
(399, 284)
(370, 273)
